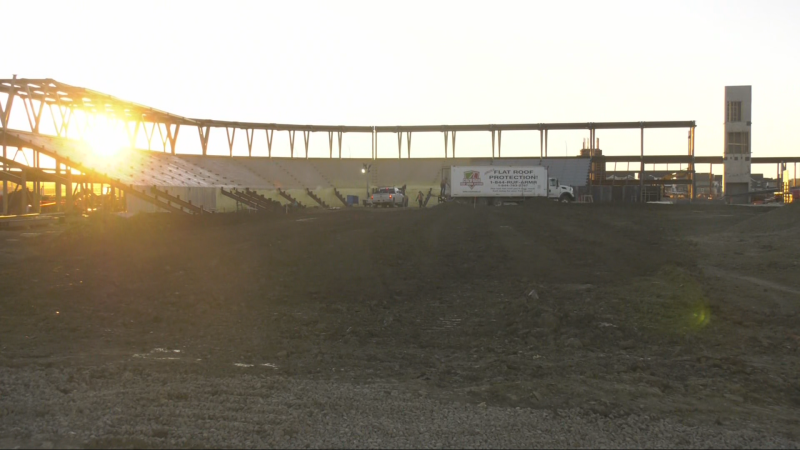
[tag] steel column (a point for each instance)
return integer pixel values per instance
(693, 170)
(24, 199)
(5, 169)
(339, 136)
(70, 188)
(173, 138)
(291, 142)
(408, 143)
(499, 143)
(453, 137)
(641, 166)
(249, 133)
(37, 185)
(132, 137)
(203, 137)
(58, 188)
(306, 138)
(269, 142)
(399, 145)
(231, 137)
(541, 144)
(545, 143)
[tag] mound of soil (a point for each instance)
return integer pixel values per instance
(787, 217)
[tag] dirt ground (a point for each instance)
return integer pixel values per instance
(681, 314)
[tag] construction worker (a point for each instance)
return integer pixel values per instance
(443, 186)
(420, 199)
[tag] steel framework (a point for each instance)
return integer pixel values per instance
(62, 101)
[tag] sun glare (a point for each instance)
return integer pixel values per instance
(106, 137)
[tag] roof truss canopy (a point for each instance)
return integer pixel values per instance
(61, 94)
(56, 93)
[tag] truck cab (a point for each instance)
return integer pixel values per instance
(557, 191)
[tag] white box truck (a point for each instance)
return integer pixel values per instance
(506, 183)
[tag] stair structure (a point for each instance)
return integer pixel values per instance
(182, 204)
(240, 199)
(287, 196)
(316, 198)
(259, 198)
(340, 196)
(428, 197)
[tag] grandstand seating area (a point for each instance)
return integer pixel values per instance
(199, 178)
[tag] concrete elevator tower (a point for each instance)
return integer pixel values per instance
(738, 108)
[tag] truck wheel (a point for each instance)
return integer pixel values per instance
(565, 198)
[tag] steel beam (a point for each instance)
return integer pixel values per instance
(39, 174)
(9, 176)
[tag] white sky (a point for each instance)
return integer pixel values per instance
(432, 62)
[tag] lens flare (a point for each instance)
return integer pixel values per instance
(106, 138)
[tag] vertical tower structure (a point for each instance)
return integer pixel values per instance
(737, 152)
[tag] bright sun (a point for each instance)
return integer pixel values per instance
(106, 137)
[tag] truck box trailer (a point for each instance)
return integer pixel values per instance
(507, 182)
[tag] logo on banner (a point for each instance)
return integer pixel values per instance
(472, 178)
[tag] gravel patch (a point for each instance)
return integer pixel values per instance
(107, 406)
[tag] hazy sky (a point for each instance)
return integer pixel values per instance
(390, 63)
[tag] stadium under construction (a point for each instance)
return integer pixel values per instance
(52, 163)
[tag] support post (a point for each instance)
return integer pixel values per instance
(132, 137)
(231, 137)
(58, 188)
(445, 144)
(339, 136)
(204, 134)
(694, 170)
(306, 138)
(399, 145)
(5, 169)
(269, 142)
(37, 185)
(499, 143)
(173, 137)
(408, 143)
(330, 144)
(641, 165)
(24, 198)
(453, 137)
(249, 134)
(492, 144)
(150, 134)
(545, 143)
(68, 208)
(291, 142)
(541, 144)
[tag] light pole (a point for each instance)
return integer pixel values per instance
(365, 169)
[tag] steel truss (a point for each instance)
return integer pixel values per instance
(63, 102)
